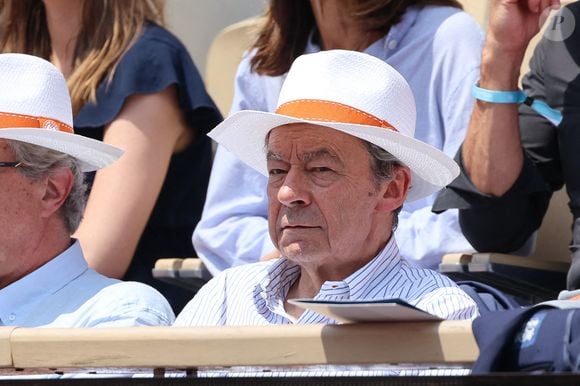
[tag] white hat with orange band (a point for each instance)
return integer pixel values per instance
(352, 92)
(35, 107)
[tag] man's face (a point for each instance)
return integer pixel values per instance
(20, 221)
(322, 195)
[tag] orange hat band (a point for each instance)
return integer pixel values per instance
(10, 120)
(326, 111)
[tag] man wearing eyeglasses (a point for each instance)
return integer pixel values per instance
(44, 279)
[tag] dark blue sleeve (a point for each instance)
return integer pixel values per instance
(156, 61)
(497, 224)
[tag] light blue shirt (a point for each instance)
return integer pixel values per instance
(437, 49)
(254, 294)
(65, 292)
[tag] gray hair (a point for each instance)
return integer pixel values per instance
(38, 162)
(383, 165)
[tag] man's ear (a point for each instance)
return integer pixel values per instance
(58, 186)
(394, 190)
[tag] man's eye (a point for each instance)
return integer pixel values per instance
(276, 172)
(321, 169)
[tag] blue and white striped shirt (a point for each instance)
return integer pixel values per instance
(254, 294)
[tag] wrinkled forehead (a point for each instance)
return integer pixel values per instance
(311, 137)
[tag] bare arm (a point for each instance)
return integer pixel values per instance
(149, 128)
(492, 151)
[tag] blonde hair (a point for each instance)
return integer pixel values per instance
(108, 28)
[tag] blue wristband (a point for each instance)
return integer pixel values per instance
(498, 96)
(518, 96)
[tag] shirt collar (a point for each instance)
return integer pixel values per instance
(357, 286)
(274, 287)
(384, 46)
(44, 281)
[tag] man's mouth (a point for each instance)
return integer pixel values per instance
(299, 227)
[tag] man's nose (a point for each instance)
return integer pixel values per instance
(294, 191)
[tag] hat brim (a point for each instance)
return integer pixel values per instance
(244, 134)
(92, 154)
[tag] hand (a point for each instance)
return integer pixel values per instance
(513, 23)
(270, 256)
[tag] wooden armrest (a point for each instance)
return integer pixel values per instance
(529, 280)
(192, 263)
(169, 263)
(189, 273)
(455, 262)
(5, 346)
(479, 262)
(282, 345)
(167, 268)
(482, 261)
(457, 258)
(194, 268)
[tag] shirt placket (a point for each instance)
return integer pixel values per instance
(330, 291)
(274, 296)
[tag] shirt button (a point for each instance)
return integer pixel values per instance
(393, 44)
(11, 317)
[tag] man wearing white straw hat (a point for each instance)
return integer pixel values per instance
(341, 160)
(44, 278)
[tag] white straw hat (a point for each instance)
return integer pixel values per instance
(35, 107)
(352, 92)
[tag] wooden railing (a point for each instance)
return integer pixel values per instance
(449, 342)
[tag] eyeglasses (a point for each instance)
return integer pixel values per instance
(10, 164)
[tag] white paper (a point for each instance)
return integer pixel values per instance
(388, 310)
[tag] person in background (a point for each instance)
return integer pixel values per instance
(132, 85)
(433, 44)
(517, 154)
(341, 160)
(44, 278)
